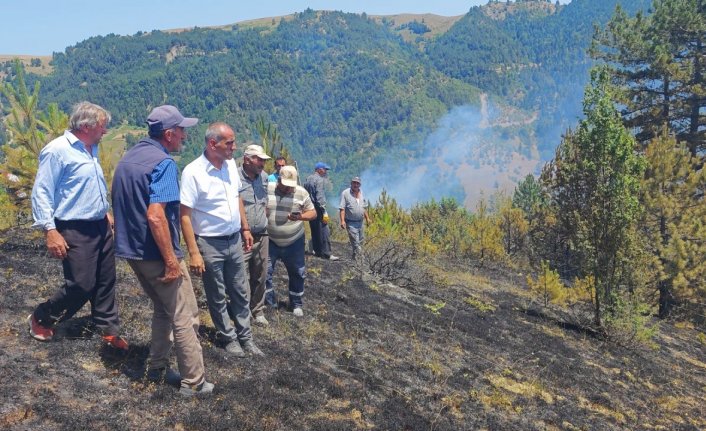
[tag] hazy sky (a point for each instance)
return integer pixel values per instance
(40, 27)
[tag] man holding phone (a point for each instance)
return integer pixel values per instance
(288, 205)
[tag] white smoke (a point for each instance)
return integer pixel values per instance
(473, 152)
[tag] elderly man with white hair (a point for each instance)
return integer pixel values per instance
(70, 203)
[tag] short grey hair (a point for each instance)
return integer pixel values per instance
(88, 114)
(215, 131)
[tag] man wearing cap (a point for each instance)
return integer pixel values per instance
(315, 184)
(279, 162)
(288, 205)
(352, 211)
(70, 203)
(253, 191)
(146, 205)
(213, 221)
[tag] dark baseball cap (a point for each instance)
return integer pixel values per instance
(322, 165)
(166, 117)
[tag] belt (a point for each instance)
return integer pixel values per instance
(221, 238)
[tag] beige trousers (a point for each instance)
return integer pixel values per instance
(175, 320)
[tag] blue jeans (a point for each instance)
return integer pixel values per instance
(293, 258)
(225, 275)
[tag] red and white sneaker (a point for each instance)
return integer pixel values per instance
(116, 342)
(39, 332)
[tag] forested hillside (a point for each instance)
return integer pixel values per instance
(347, 88)
(532, 54)
(339, 87)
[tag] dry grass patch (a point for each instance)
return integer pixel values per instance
(526, 389)
(453, 403)
(480, 305)
(314, 329)
(473, 281)
(686, 358)
(605, 411)
(495, 399)
(341, 411)
(553, 331)
(507, 388)
(43, 69)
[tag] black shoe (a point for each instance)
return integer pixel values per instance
(163, 375)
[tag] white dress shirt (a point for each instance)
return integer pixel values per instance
(212, 194)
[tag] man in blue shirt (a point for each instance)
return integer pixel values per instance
(146, 204)
(279, 163)
(70, 203)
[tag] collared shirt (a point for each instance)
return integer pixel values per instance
(254, 194)
(283, 231)
(164, 184)
(69, 185)
(212, 194)
(354, 207)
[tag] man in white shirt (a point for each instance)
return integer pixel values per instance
(213, 222)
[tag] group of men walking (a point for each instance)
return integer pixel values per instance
(236, 224)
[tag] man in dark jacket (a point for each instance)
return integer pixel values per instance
(146, 205)
(315, 184)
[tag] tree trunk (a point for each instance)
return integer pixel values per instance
(666, 298)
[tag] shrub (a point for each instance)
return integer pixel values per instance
(548, 286)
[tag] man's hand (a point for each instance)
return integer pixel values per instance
(57, 246)
(343, 224)
(172, 272)
(196, 264)
(111, 222)
(247, 240)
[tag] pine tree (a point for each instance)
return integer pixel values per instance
(659, 62)
(513, 225)
(29, 130)
(528, 196)
(674, 221)
(593, 184)
(485, 236)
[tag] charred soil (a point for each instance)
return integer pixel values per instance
(460, 355)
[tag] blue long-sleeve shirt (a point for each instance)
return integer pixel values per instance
(69, 185)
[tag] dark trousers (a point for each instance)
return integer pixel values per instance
(89, 275)
(320, 235)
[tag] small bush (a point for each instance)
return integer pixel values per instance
(548, 286)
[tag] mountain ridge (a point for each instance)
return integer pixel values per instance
(350, 89)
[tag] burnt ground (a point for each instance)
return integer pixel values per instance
(460, 354)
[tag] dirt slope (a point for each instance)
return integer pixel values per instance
(462, 356)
